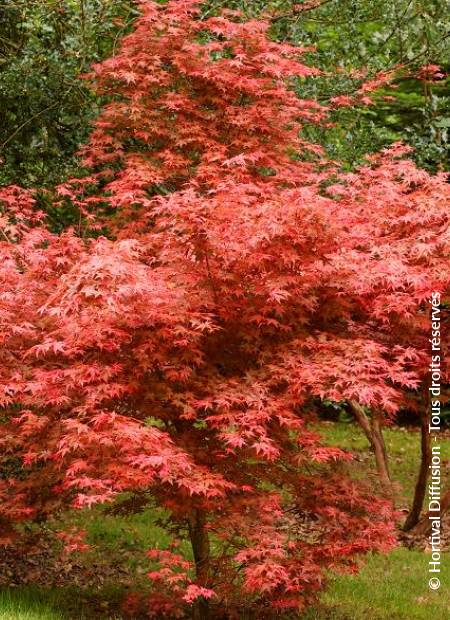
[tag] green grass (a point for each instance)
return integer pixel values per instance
(403, 449)
(34, 603)
(29, 604)
(140, 530)
(124, 539)
(389, 587)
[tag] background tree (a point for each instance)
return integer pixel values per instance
(362, 38)
(45, 108)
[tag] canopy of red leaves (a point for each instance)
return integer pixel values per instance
(242, 280)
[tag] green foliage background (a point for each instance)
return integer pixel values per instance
(45, 45)
(45, 108)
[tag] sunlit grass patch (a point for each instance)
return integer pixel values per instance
(389, 587)
(403, 447)
(29, 603)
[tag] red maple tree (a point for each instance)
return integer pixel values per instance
(242, 279)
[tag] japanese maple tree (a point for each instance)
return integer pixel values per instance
(240, 278)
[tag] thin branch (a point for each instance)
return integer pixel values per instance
(299, 11)
(34, 117)
(5, 235)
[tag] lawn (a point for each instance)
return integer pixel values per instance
(403, 447)
(388, 587)
(34, 603)
(30, 604)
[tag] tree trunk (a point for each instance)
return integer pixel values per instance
(374, 434)
(421, 484)
(424, 525)
(381, 453)
(200, 546)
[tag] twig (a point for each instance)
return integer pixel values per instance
(32, 118)
(298, 12)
